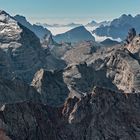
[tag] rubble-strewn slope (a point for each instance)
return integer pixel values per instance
(101, 115)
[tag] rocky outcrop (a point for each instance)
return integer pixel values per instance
(81, 79)
(57, 49)
(117, 65)
(131, 34)
(81, 51)
(51, 86)
(105, 115)
(134, 46)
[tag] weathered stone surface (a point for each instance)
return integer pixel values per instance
(105, 115)
(51, 86)
(100, 115)
(57, 49)
(81, 51)
(28, 121)
(17, 91)
(81, 78)
(134, 45)
(118, 66)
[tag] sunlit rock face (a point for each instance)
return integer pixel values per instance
(119, 65)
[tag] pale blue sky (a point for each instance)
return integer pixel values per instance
(64, 11)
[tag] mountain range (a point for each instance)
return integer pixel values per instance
(115, 29)
(98, 24)
(90, 91)
(59, 25)
(78, 33)
(90, 24)
(119, 27)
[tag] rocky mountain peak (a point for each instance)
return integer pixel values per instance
(21, 51)
(131, 34)
(39, 30)
(10, 30)
(21, 18)
(4, 17)
(75, 35)
(134, 46)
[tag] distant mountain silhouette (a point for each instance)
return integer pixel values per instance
(94, 23)
(75, 35)
(39, 30)
(59, 25)
(108, 42)
(119, 27)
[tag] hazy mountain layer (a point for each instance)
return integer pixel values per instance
(119, 27)
(75, 35)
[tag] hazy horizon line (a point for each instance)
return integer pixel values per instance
(75, 19)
